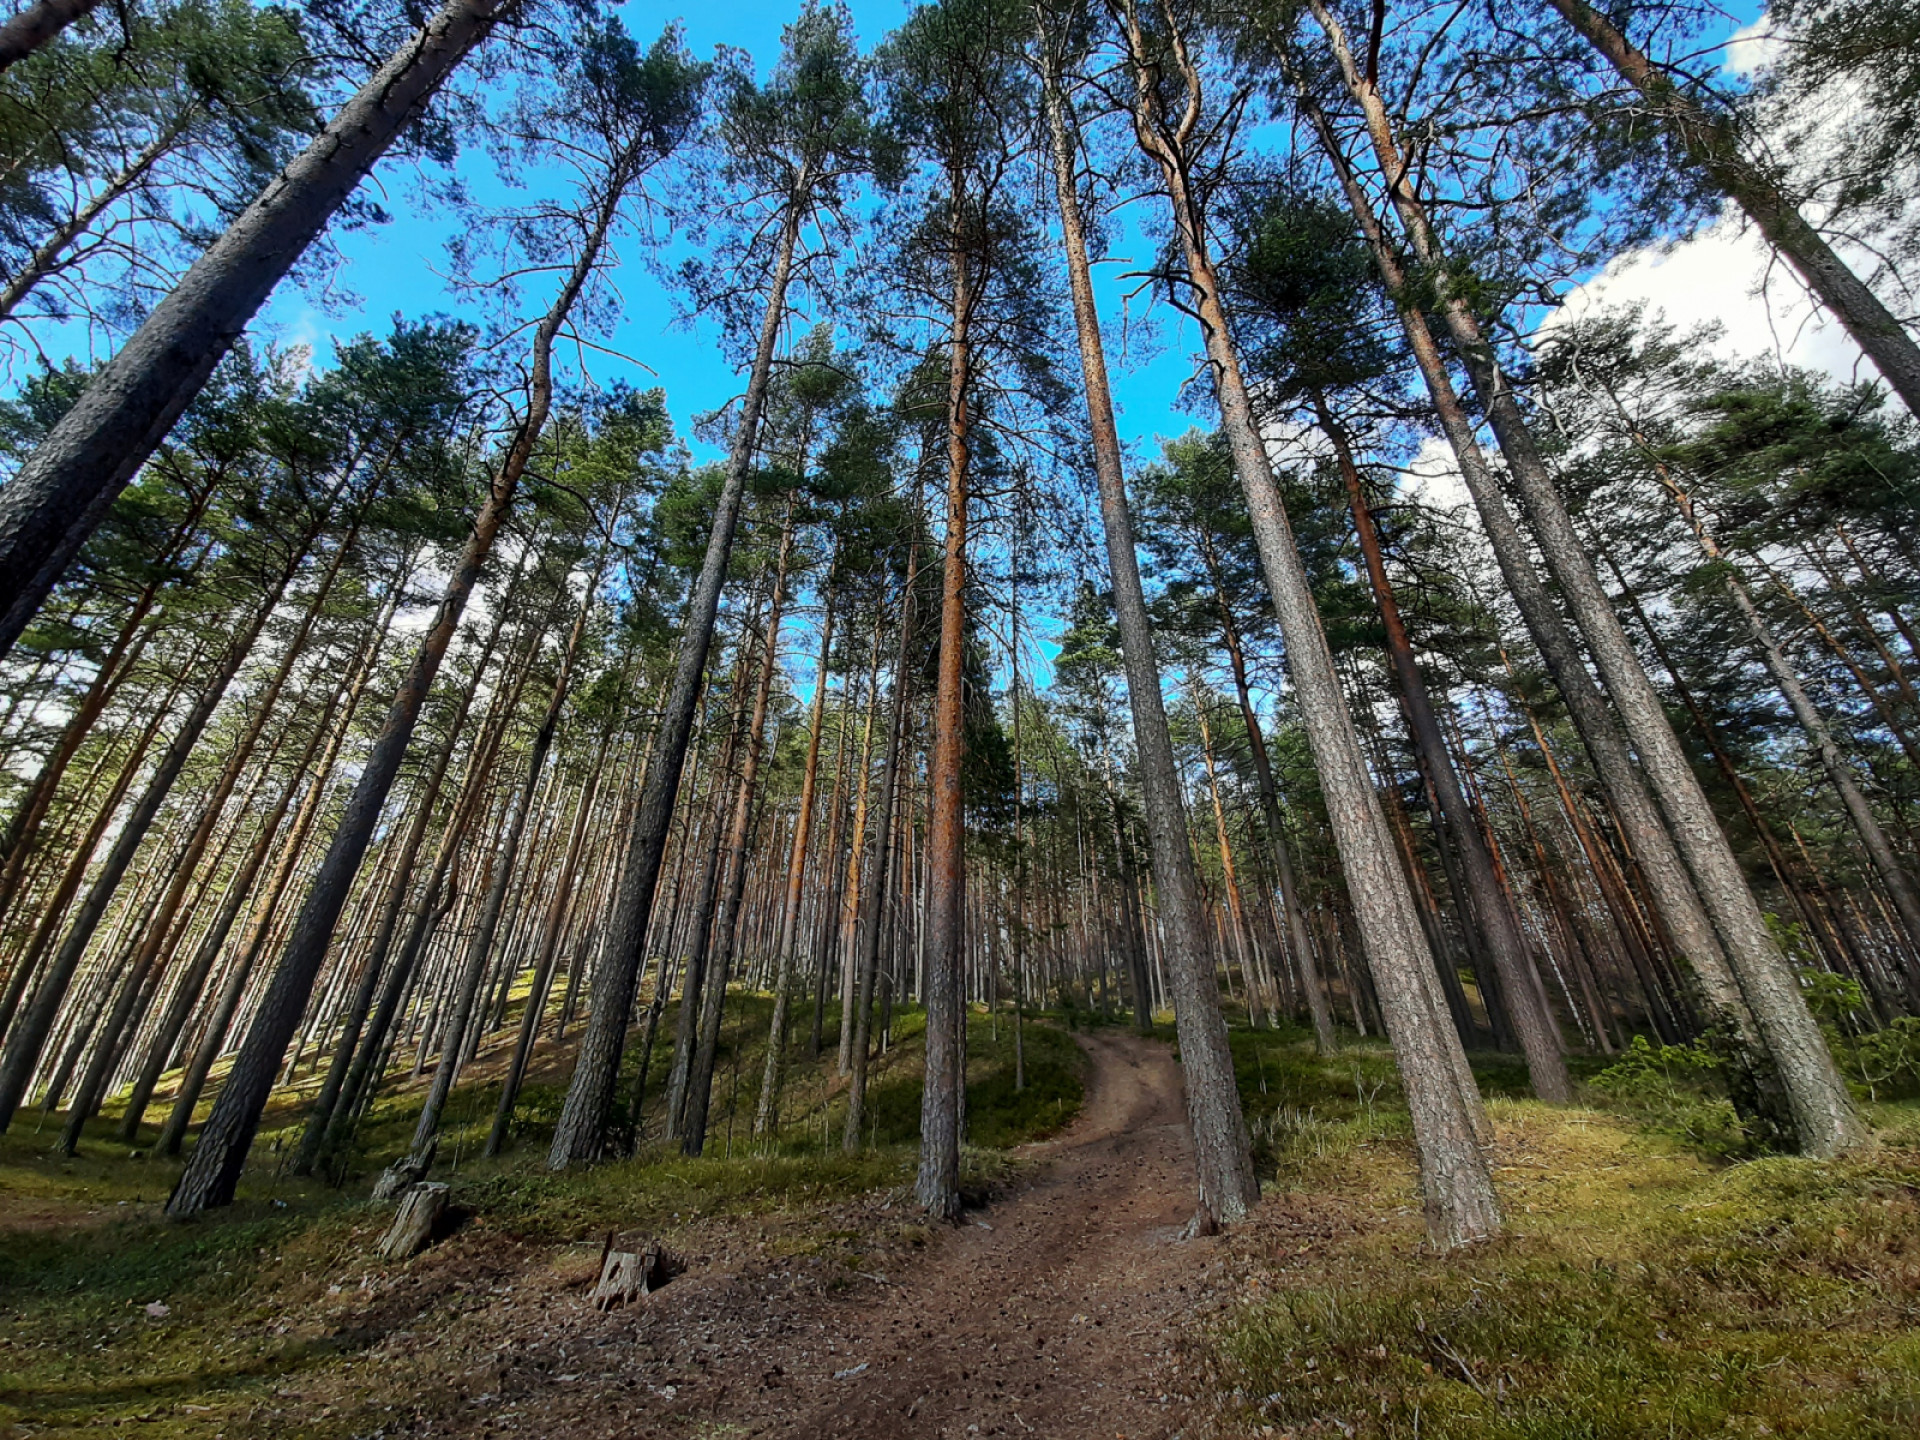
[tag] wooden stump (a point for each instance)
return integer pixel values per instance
(629, 1275)
(420, 1210)
(405, 1173)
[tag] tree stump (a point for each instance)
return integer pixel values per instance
(629, 1275)
(420, 1210)
(405, 1173)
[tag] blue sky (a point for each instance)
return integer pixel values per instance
(396, 267)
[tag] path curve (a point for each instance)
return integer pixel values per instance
(1052, 1313)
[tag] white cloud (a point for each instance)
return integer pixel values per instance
(1728, 276)
(1433, 476)
(1753, 47)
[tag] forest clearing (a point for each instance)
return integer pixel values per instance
(1137, 718)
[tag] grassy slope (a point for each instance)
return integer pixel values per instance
(1644, 1290)
(84, 1249)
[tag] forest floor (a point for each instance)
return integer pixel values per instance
(1650, 1284)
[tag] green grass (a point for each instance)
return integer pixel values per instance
(1644, 1289)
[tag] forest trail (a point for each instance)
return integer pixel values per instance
(1055, 1311)
(1051, 1313)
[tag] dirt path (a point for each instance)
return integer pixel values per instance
(1057, 1312)
(1051, 1313)
(1054, 1312)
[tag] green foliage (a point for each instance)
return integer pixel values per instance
(1884, 1063)
(1869, 53)
(1675, 1090)
(1307, 294)
(175, 112)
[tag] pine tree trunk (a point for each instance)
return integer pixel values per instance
(862, 954)
(1714, 143)
(1302, 944)
(546, 951)
(1448, 1119)
(1491, 906)
(581, 1133)
(766, 1115)
(693, 1135)
(453, 1050)
(937, 1186)
(1228, 1186)
(1823, 1117)
(68, 484)
(23, 829)
(214, 1170)
(207, 953)
(157, 949)
(1674, 890)
(706, 890)
(200, 1065)
(36, 24)
(319, 1136)
(24, 1044)
(1873, 839)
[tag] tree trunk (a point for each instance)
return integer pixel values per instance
(1448, 1119)
(1228, 1186)
(321, 1136)
(211, 1043)
(65, 488)
(1492, 908)
(693, 1133)
(937, 1186)
(453, 1048)
(24, 1045)
(547, 950)
(1677, 894)
(24, 827)
(706, 891)
(1714, 143)
(862, 957)
(1873, 839)
(766, 1115)
(207, 953)
(1301, 943)
(36, 24)
(854, 889)
(156, 951)
(581, 1133)
(1823, 1117)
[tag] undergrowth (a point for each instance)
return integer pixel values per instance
(1647, 1285)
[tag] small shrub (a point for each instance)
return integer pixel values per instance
(1884, 1064)
(1677, 1090)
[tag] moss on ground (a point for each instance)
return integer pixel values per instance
(1644, 1289)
